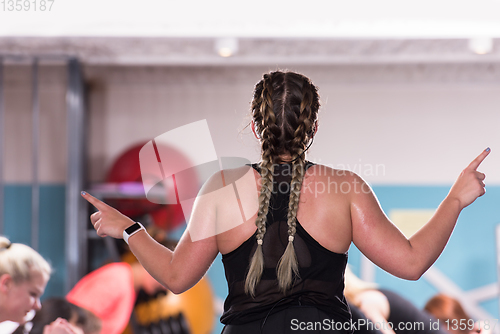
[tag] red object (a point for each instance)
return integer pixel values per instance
(126, 168)
(109, 293)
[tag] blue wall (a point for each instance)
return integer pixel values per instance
(469, 259)
(17, 218)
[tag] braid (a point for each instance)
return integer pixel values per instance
(288, 264)
(284, 107)
(265, 107)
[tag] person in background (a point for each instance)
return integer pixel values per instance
(383, 307)
(54, 308)
(110, 293)
(23, 277)
(452, 316)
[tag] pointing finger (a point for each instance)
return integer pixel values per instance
(476, 162)
(100, 205)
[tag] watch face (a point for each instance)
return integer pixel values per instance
(132, 229)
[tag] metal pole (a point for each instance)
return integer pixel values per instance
(35, 185)
(2, 160)
(76, 218)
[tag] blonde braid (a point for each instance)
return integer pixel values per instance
(284, 126)
(288, 264)
(266, 171)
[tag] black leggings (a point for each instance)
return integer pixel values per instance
(295, 319)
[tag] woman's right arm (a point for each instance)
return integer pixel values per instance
(177, 270)
(384, 244)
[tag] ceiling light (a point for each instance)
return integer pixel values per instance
(226, 47)
(481, 45)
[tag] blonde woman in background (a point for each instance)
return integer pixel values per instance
(23, 277)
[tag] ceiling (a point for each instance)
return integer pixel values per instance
(256, 18)
(156, 32)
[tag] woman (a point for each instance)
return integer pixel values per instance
(23, 276)
(284, 275)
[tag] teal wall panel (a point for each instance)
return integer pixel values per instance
(17, 218)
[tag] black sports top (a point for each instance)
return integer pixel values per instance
(321, 280)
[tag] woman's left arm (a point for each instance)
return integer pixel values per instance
(384, 244)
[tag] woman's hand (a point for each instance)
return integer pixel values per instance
(61, 326)
(469, 184)
(107, 221)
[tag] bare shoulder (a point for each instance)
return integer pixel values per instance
(225, 177)
(336, 180)
(326, 171)
(242, 173)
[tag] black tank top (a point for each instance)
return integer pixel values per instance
(321, 279)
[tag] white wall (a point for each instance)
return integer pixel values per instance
(407, 124)
(391, 126)
(17, 129)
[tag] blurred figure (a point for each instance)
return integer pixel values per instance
(452, 316)
(110, 293)
(356, 291)
(387, 311)
(54, 308)
(23, 277)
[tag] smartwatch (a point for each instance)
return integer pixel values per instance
(131, 230)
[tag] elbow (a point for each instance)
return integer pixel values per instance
(415, 273)
(176, 286)
(414, 276)
(176, 290)
(416, 268)
(409, 276)
(173, 286)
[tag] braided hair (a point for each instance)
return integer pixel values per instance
(284, 109)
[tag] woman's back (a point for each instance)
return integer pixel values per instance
(324, 208)
(320, 279)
